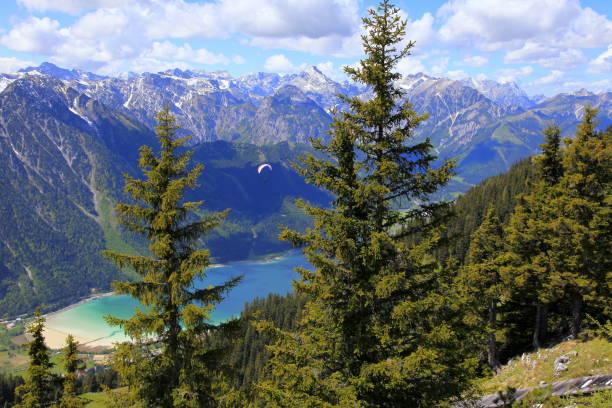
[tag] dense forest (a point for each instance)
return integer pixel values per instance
(400, 308)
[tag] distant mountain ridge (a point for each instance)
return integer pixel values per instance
(62, 160)
(67, 137)
(484, 124)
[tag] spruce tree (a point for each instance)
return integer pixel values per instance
(530, 234)
(376, 330)
(37, 392)
(583, 229)
(481, 281)
(69, 398)
(169, 362)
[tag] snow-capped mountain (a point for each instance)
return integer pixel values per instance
(486, 125)
(505, 93)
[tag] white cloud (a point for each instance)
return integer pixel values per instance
(292, 18)
(256, 18)
(280, 63)
(555, 76)
(604, 85)
(421, 31)
(457, 74)
(35, 35)
(513, 74)
(169, 51)
(11, 64)
(547, 56)
(179, 19)
(474, 61)
(111, 30)
(487, 25)
(410, 65)
(603, 63)
(330, 71)
(564, 59)
(589, 29)
(349, 43)
(439, 66)
(544, 32)
(69, 6)
(237, 59)
(105, 23)
(333, 45)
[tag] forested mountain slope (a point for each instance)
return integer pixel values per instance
(63, 156)
(486, 125)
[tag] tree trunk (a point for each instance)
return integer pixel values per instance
(540, 330)
(492, 349)
(576, 315)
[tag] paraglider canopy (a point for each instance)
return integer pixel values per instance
(263, 166)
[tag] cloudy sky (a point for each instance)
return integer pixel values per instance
(547, 46)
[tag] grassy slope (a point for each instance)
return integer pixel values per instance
(594, 357)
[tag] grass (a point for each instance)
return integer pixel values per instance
(13, 361)
(112, 231)
(596, 400)
(594, 357)
(100, 399)
(96, 399)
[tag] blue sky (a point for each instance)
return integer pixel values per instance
(546, 46)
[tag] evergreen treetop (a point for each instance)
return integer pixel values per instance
(550, 165)
(37, 390)
(169, 362)
(376, 328)
(72, 363)
(480, 283)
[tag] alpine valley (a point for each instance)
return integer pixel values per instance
(67, 137)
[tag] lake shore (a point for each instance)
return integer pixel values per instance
(55, 335)
(56, 339)
(80, 302)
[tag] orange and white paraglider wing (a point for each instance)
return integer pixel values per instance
(263, 166)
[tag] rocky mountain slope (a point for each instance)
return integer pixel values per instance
(486, 125)
(62, 160)
(67, 136)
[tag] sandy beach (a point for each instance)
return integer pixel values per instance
(56, 339)
(89, 329)
(80, 302)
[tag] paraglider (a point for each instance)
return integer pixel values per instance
(264, 170)
(263, 166)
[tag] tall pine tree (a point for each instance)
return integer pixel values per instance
(481, 282)
(169, 362)
(530, 235)
(69, 398)
(376, 329)
(37, 392)
(583, 229)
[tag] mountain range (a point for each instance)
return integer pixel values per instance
(68, 136)
(485, 125)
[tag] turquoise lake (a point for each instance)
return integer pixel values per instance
(259, 279)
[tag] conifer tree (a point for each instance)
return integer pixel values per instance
(376, 328)
(559, 234)
(583, 229)
(37, 391)
(69, 398)
(170, 362)
(549, 163)
(481, 281)
(530, 236)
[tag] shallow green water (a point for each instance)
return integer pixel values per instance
(260, 278)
